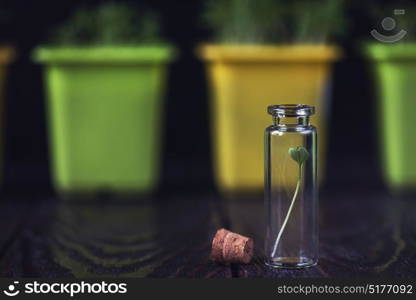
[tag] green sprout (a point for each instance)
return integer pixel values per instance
(300, 155)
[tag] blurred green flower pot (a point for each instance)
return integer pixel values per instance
(395, 70)
(104, 116)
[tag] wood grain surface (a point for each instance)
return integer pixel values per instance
(362, 234)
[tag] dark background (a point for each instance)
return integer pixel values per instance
(353, 151)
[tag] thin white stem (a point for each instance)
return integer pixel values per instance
(295, 195)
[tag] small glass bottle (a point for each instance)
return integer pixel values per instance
(291, 196)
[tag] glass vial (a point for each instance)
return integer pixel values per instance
(291, 196)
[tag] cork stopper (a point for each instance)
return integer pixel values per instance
(230, 247)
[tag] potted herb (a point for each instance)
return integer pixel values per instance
(105, 76)
(394, 65)
(265, 52)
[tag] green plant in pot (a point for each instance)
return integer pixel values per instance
(394, 65)
(264, 52)
(105, 76)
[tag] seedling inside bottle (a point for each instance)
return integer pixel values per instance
(300, 155)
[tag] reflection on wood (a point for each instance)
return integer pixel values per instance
(168, 239)
(363, 234)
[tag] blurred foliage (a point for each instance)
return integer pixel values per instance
(408, 23)
(317, 21)
(274, 21)
(245, 21)
(110, 23)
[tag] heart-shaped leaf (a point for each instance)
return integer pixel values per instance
(299, 154)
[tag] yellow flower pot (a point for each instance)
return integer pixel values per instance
(244, 81)
(6, 56)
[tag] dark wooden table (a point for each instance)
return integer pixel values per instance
(362, 234)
